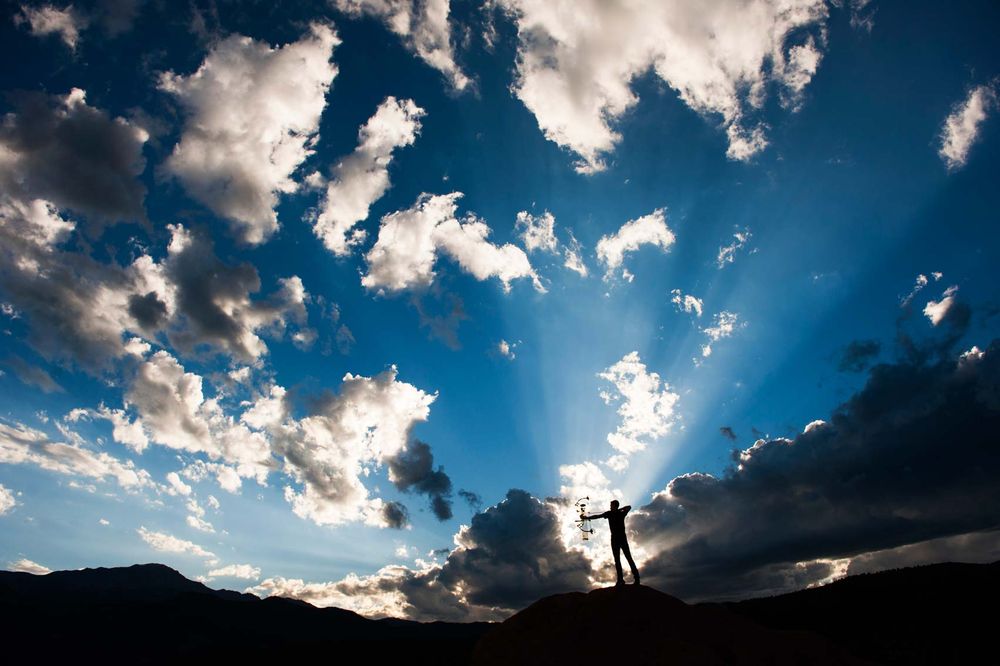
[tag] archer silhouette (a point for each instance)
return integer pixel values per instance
(619, 542)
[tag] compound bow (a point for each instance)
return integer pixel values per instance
(583, 522)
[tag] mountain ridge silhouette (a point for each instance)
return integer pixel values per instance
(150, 613)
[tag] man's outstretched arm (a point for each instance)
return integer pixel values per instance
(595, 516)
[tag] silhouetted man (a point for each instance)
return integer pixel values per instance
(619, 542)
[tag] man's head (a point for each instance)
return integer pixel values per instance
(614, 505)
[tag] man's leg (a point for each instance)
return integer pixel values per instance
(631, 563)
(615, 550)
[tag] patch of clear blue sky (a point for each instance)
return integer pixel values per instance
(847, 205)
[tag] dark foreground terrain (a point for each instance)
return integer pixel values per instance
(150, 613)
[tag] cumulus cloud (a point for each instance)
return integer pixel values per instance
(646, 406)
(80, 310)
(727, 253)
(175, 486)
(506, 350)
(361, 178)
(7, 500)
(166, 543)
(25, 565)
(342, 439)
(50, 20)
(410, 240)
(537, 231)
(22, 445)
(487, 576)
(412, 470)
(575, 71)
(33, 375)
(423, 27)
(686, 302)
(171, 409)
(242, 571)
(937, 311)
(725, 325)
(61, 150)
(204, 302)
(252, 116)
(395, 515)
(962, 126)
(869, 478)
(647, 230)
(196, 516)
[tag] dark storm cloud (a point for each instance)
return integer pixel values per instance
(412, 470)
(728, 433)
(474, 501)
(981, 547)
(214, 304)
(512, 555)
(74, 155)
(148, 310)
(856, 356)
(509, 556)
(71, 314)
(396, 515)
(909, 458)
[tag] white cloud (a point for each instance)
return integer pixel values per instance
(244, 571)
(961, 127)
(50, 20)
(686, 302)
(423, 27)
(573, 258)
(27, 566)
(21, 445)
(176, 486)
(937, 310)
(537, 231)
(727, 253)
(647, 404)
(409, 241)
(362, 178)
(104, 522)
(200, 524)
(329, 452)
(253, 112)
(378, 595)
(166, 543)
(466, 242)
(725, 326)
(506, 350)
(647, 230)
(172, 410)
(196, 519)
(7, 500)
(227, 477)
(918, 284)
(577, 60)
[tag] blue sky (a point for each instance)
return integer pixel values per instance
(797, 175)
